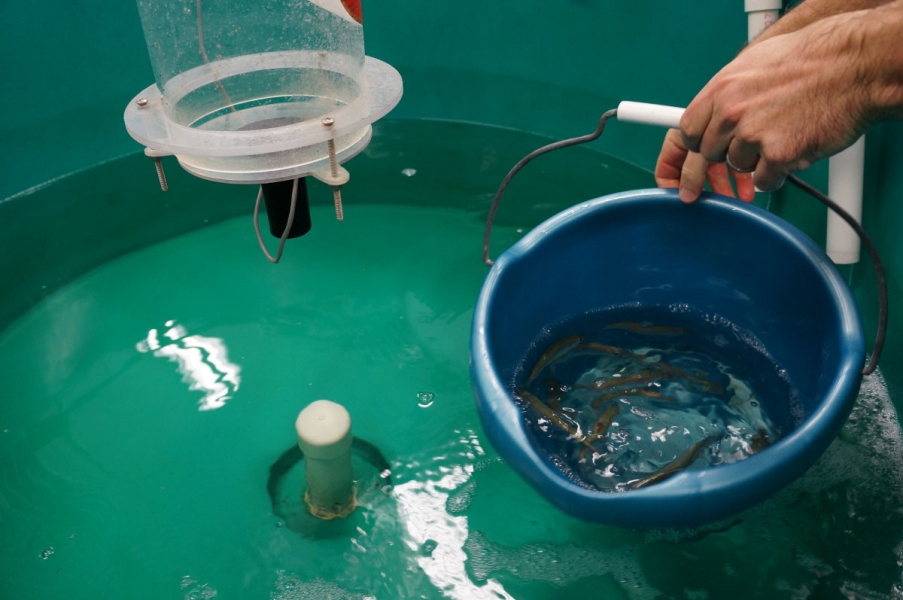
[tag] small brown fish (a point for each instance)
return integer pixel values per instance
(601, 428)
(597, 347)
(678, 464)
(553, 353)
(604, 422)
(635, 327)
(643, 377)
(759, 442)
(675, 371)
(624, 392)
(555, 418)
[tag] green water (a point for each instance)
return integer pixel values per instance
(114, 484)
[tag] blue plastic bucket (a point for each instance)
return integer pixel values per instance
(718, 255)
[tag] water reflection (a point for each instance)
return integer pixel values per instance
(203, 362)
(439, 537)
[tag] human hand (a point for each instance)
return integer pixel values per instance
(679, 167)
(783, 103)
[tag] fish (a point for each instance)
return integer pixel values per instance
(596, 346)
(553, 353)
(604, 422)
(555, 418)
(674, 371)
(636, 327)
(759, 442)
(622, 392)
(600, 429)
(678, 464)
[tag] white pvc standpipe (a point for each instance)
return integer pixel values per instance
(845, 176)
(761, 14)
(324, 435)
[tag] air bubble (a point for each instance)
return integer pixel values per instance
(427, 547)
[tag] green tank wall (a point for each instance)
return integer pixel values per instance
(551, 68)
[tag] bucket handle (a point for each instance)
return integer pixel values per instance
(866, 240)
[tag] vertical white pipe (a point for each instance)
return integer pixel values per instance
(324, 435)
(845, 175)
(761, 14)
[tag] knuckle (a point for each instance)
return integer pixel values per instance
(779, 155)
(732, 113)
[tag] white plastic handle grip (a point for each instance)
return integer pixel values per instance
(650, 114)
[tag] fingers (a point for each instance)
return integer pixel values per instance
(768, 176)
(670, 160)
(692, 177)
(743, 155)
(746, 191)
(719, 179)
(680, 168)
(677, 167)
(695, 121)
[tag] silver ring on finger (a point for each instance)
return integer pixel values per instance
(727, 161)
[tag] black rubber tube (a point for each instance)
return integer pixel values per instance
(876, 262)
(278, 199)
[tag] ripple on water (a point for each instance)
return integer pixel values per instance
(557, 564)
(425, 399)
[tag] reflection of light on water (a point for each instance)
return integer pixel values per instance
(422, 507)
(203, 362)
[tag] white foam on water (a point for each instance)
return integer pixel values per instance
(290, 587)
(840, 524)
(560, 565)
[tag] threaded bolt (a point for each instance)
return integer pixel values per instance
(160, 174)
(334, 170)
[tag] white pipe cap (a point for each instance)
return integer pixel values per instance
(757, 5)
(324, 430)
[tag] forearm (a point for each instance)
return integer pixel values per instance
(811, 11)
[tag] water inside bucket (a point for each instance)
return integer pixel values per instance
(632, 395)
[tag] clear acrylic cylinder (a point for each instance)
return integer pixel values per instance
(235, 65)
(243, 87)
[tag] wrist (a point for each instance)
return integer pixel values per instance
(878, 48)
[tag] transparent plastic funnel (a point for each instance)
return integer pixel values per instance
(242, 87)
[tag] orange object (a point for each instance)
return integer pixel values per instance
(354, 9)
